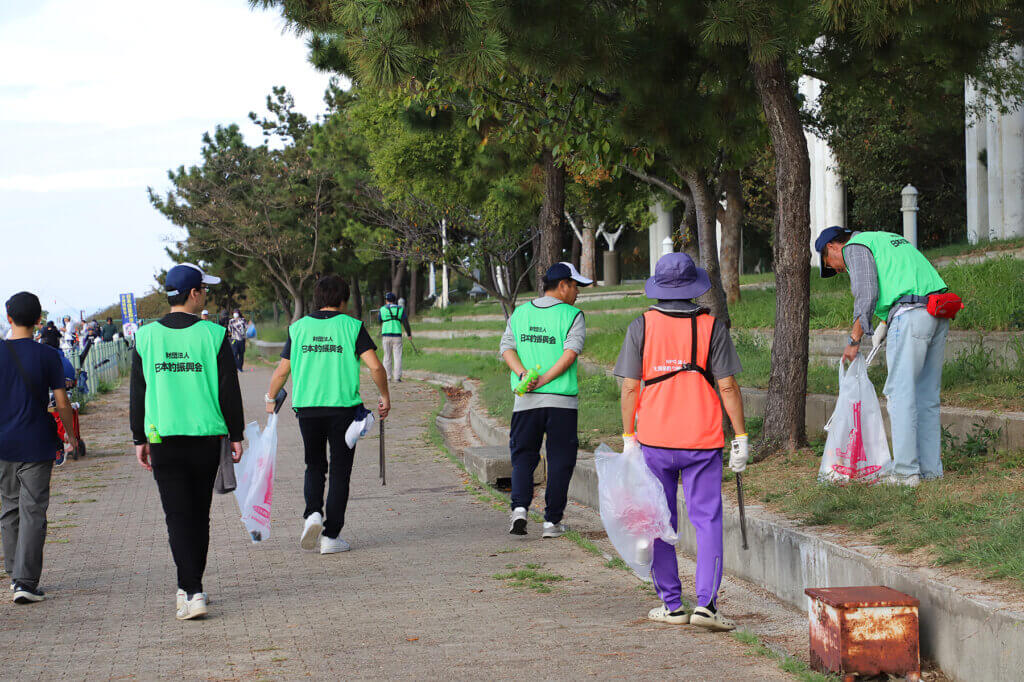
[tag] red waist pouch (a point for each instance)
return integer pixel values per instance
(945, 305)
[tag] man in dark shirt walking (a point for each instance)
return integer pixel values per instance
(28, 444)
(184, 399)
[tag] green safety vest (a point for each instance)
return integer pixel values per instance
(325, 367)
(902, 269)
(180, 368)
(391, 319)
(540, 340)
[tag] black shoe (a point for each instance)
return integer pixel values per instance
(27, 595)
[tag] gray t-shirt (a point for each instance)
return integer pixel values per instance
(573, 341)
(722, 358)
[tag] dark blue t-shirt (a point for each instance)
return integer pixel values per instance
(27, 431)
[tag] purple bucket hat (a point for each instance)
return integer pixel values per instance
(677, 277)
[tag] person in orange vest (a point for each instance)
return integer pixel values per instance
(680, 352)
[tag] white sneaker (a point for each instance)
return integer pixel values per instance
(193, 608)
(911, 481)
(715, 622)
(553, 530)
(182, 597)
(518, 526)
(333, 545)
(663, 615)
(311, 529)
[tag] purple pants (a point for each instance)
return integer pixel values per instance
(701, 472)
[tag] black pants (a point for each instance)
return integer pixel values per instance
(528, 428)
(317, 432)
(238, 350)
(184, 468)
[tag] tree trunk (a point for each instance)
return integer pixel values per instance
(784, 425)
(688, 231)
(575, 253)
(357, 298)
(731, 218)
(277, 314)
(704, 203)
(298, 307)
(397, 276)
(413, 288)
(549, 222)
(588, 262)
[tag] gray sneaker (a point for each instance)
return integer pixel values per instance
(911, 481)
(554, 530)
(518, 521)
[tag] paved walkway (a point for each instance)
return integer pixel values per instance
(415, 598)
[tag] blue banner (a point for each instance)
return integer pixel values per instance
(129, 313)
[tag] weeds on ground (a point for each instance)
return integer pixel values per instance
(964, 455)
(529, 577)
(786, 662)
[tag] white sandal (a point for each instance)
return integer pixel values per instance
(663, 615)
(715, 622)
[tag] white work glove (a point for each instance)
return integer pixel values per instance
(629, 443)
(739, 454)
(879, 335)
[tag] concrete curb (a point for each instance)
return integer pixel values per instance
(963, 626)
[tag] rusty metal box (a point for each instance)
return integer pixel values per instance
(863, 630)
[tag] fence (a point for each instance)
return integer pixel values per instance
(104, 363)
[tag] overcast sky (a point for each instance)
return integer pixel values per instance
(97, 101)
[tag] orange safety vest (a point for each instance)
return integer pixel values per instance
(678, 406)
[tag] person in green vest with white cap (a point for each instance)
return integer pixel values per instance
(894, 281)
(184, 400)
(545, 335)
(322, 355)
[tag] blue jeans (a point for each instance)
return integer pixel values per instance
(914, 354)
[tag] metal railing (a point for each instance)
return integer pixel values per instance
(104, 363)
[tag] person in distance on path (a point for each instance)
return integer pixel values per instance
(679, 352)
(393, 317)
(548, 331)
(184, 399)
(893, 280)
(322, 354)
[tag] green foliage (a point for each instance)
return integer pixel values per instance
(529, 577)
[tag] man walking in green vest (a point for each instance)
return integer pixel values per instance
(893, 280)
(393, 317)
(184, 399)
(548, 333)
(322, 354)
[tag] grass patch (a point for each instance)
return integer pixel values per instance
(966, 249)
(787, 663)
(529, 577)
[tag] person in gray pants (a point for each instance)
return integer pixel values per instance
(28, 444)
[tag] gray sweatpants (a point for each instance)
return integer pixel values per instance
(393, 356)
(24, 499)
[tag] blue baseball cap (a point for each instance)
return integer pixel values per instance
(185, 277)
(827, 235)
(564, 270)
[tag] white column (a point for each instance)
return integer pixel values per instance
(659, 230)
(444, 267)
(1013, 169)
(828, 193)
(432, 281)
(994, 145)
(977, 175)
(909, 209)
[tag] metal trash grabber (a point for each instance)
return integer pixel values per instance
(414, 346)
(383, 467)
(743, 511)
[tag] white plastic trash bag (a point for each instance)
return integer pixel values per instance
(633, 506)
(255, 476)
(856, 448)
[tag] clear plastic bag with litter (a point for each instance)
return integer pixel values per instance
(633, 506)
(255, 476)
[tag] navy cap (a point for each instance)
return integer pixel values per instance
(186, 277)
(390, 297)
(564, 270)
(826, 236)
